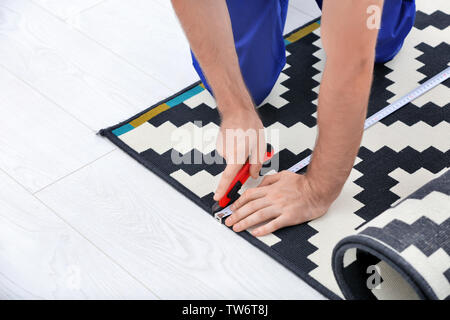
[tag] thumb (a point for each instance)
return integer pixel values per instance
(228, 175)
(256, 159)
(255, 169)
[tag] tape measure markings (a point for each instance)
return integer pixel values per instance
(383, 113)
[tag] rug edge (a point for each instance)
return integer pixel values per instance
(107, 133)
(101, 132)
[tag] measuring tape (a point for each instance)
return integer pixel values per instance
(383, 113)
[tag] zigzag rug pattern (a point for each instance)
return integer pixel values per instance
(408, 245)
(397, 155)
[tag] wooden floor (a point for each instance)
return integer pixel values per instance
(78, 218)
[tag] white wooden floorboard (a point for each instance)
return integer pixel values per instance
(67, 69)
(66, 9)
(81, 76)
(163, 239)
(146, 33)
(308, 7)
(40, 143)
(42, 258)
(295, 18)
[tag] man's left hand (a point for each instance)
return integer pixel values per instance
(285, 198)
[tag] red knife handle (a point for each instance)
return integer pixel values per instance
(241, 178)
(238, 182)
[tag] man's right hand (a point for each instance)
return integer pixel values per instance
(241, 137)
(208, 28)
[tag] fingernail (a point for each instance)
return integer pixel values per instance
(256, 233)
(229, 222)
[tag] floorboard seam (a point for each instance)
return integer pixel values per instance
(97, 247)
(39, 92)
(73, 27)
(73, 172)
(81, 234)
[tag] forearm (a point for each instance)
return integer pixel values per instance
(344, 94)
(208, 28)
(341, 114)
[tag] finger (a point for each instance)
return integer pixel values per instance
(246, 210)
(227, 177)
(258, 217)
(255, 169)
(269, 179)
(271, 226)
(257, 158)
(248, 195)
(220, 147)
(255, 162)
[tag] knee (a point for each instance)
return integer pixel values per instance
(397, 21)
(259, 80)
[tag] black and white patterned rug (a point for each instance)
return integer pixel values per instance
(406, 250)
(398, 155)
(403, 253)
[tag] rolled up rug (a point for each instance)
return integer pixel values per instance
(404, 253)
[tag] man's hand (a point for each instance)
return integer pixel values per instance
(208, 28)
(344, 92)
(288, 198)
(241, 137)
(285, 198)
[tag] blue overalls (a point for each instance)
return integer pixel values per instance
(258, 33)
